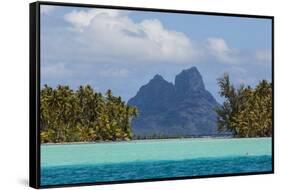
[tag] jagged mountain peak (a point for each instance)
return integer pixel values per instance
(158, 77)
(158, 80)
(154, 95)
(183, 108)
(188, 81)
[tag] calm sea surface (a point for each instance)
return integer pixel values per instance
(146, 159)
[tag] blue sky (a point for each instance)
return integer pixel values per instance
(123, 50)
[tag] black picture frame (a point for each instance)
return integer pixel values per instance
(34, 90)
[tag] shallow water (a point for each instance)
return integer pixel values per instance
(145, 159)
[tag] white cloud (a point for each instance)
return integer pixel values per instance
(83, 18)
(218, 48)
(110, 34)
(47, 9)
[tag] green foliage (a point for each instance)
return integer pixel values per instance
(246, 111)
(83, 115)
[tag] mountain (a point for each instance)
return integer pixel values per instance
(175, 110)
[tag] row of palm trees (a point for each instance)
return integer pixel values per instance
(246, 111)
(83, 115)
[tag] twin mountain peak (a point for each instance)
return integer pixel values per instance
(182, 109)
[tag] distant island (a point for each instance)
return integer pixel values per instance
(182, 109)
(160, 109)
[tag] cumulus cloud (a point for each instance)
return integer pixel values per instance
(83, 18)
(218, 48)
(113, 34)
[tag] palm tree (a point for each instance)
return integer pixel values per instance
(83, 115)
(246, 112)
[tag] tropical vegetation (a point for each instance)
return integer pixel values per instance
(246, 111)
(83, 115)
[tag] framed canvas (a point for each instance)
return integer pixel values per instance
(123, 94)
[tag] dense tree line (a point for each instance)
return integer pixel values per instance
(246, 111)
(83, 115)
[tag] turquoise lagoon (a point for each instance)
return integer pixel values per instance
(149, 159)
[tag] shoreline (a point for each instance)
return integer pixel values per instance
(139, 140)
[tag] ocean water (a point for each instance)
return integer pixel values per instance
(146, 159)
